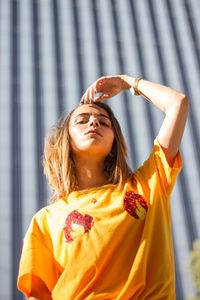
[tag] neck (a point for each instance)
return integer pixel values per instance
(90, 173)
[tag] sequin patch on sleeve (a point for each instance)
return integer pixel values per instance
(135, 205)
(76, 225)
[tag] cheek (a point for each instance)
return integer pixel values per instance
(110, 139)
(73, 134)
(112, 136)
(77, 139)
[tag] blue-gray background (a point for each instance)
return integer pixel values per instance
(50, 51)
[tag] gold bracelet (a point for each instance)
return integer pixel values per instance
(134, 88)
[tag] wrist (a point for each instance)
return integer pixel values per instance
(134, 89)
(127, 81)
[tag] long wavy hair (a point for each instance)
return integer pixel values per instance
(58, 162)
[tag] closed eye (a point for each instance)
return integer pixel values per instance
(104, 123)
(82, 122)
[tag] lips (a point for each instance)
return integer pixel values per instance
(93, 132)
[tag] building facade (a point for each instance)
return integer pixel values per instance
(50, 51)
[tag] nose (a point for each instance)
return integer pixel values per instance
(94, 122)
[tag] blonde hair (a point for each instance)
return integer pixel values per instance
(58, 162)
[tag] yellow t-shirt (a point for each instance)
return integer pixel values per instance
(107, 244)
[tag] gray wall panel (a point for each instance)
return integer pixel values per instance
(50, 51)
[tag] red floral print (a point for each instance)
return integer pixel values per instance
(135, 205)
(73, 220)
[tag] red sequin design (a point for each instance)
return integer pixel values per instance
(135, 205)
(77, 218)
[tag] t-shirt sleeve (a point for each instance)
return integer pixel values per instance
(37, 259)
(156, 170)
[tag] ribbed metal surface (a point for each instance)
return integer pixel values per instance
(50, 51)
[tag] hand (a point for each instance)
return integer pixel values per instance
(107, 87)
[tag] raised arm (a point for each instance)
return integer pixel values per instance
(175, 105)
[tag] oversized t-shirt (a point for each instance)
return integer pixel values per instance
(105, 243)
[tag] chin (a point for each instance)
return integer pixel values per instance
(92, 149)
(95, 152)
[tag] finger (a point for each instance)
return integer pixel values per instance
(102, 97)
(83, 99)
(87, 95)
(93, 91)
(91, 94)
(97, 87)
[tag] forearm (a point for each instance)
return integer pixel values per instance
(175, 105)
(159, 95)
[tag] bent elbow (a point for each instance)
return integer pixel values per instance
(184, 103)
(185, 99)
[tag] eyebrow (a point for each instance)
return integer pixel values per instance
(87, 114)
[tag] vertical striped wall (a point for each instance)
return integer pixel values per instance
(50, 51)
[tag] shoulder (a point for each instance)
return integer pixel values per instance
(157, 161)
(49, 209)
(40, 219)
(156, 170)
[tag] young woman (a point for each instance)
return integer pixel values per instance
(107, 235)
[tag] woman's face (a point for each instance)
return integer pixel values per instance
(90, 131)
